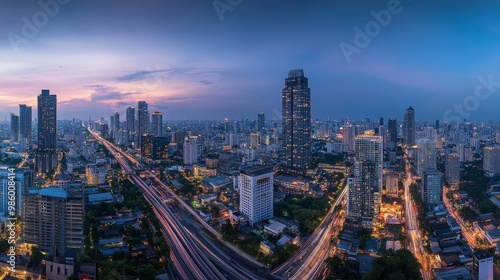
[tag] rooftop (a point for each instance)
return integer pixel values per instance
(53, 192)
(482, 254)
(256, 170)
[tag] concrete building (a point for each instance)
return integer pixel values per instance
(426, 155)
(432, 192)
(190, 150)
(53, 219)
(409, 127)
(46, 156)
(365, 188)
(483, 265)
(452, 167)
(254, 140)
(255, 184)
(491, 160)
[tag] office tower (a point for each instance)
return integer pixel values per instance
(348, 137)
(254, 140)
(426, 155)
(382, 131)
(154, 147)
(452, 167)
(409, 127)
(365, 188)
(116, 121)
(53, 219)
(381, 121)
(260, 121)
(131, 124)
(491, 160)
(142, 119)
(483, 265)
(190, 150)
(255, 185)
(46, 156)
(14, 128)
(157, 124)
(25, 123)
(296, 113)
(393, 130)
(431, 188)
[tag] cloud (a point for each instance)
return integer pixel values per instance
(105, 93)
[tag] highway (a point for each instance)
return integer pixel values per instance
(193, 253)
(414, 238)
(308, 261)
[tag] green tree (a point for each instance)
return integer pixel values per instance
(400, 264)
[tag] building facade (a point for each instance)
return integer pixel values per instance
(46, 156)
(255, 184)
(409, 127)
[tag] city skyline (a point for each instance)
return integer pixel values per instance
(188, 63)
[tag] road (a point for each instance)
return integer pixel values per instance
(193, 255)
(308, 261)
(413, 235)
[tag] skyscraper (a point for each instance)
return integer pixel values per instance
(365, 188)
(14, 128)
(255, 185)
(349, 134)
(130, 123)
(491, 160)
(426, 155)
(260, 121)
(142, 119)
(431, 188)
(296, 112)
(190, 150)
(409, 127)
(157, 124)
(452, 167)
(393, 130)
(25, 123)
(46, 156)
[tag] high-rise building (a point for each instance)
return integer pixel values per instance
(296, 113)
(53, 219)
(349, 135)
(142, 119)
(393, 130)
(154, 147)
(157, 124)
(426, 155)
(14, 128)
(190, 150)
(483, 265)
(452, 167)
(255, 185)
(365, 188)
(46, 156)
(23, 179)
(130, 124)
(25, 123)
(431, 188)
(261, 121)
(409, 127)
(254, 140)
(491, 160)
(116, 121)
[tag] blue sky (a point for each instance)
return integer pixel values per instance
(185, 61)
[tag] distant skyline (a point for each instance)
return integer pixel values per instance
(183, 60)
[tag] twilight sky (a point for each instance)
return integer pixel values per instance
(190, 61)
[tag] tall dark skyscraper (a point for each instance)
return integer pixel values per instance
(296, 123)
(46, 156)
(393, 130)
(14, 128)
(261, 120)
(409, 127)
(143, 120)
(25, 122)
(130, 124)
(157, 124)
(116, 121)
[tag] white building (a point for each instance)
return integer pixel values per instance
(255, 185)
(483, 265)
(190, 150)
